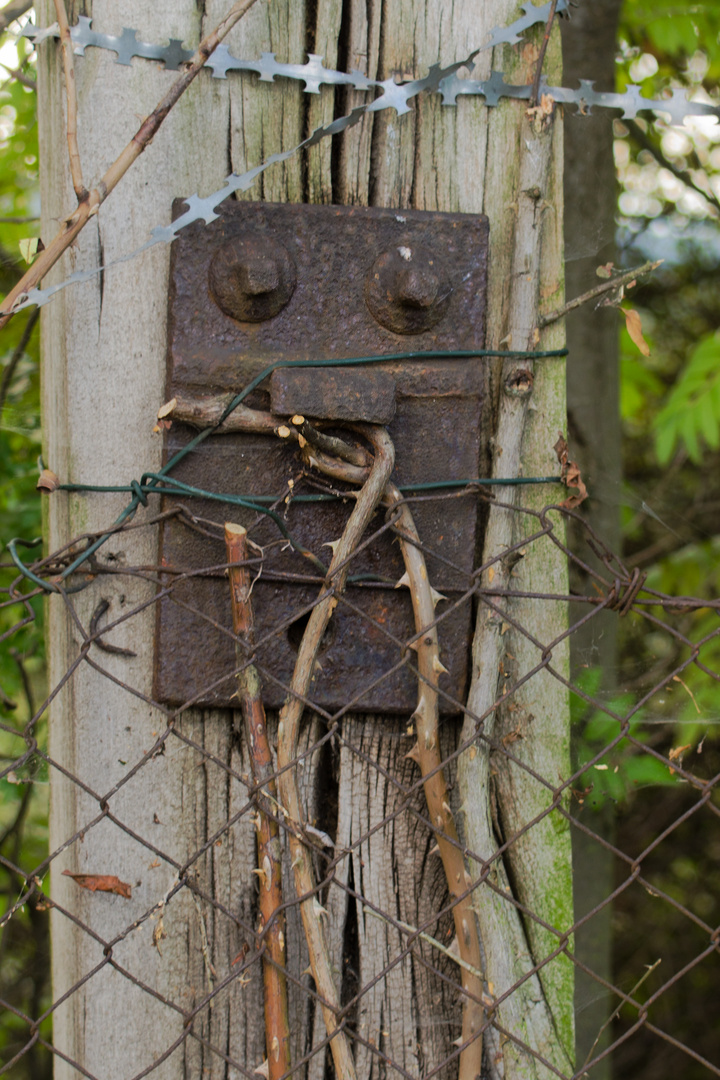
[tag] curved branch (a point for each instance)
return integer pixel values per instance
(427, 753)
(288, 732)
(71, 98)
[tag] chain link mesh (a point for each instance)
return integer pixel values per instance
(641, 808)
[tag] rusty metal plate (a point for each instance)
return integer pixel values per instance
(267, 282)
(334, 394)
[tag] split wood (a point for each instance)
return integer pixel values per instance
(249, 692)
(75, 222)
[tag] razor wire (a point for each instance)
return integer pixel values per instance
(393, 95)
(313, 74)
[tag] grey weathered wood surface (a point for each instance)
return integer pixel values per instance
(104, 358)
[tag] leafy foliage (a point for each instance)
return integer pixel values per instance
(612, 774)
(673, 31)
(691, 412)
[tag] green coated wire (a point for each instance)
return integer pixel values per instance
(257, 502)
(142, 488)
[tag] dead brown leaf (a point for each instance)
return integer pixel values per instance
(570, 475)
(241, 955)
(101, 883)
(676, 755)
(634, 329)
(159, 934)
(512, 736)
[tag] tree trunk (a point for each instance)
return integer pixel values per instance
(104, 342)
(589, 44)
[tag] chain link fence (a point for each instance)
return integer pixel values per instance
(227, 910)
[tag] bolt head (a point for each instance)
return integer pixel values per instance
(407, 289)
(252, 278)
(417, 287)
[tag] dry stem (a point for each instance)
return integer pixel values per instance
(25, 80)
(599, 290)
(353, 468)
(541, 56)
(427, 754)
(74, 223)
(526, 1013)
(277, 1024)
(288, 732)
(71, 97)
(206, 411)
(13, 11)
(436, 793)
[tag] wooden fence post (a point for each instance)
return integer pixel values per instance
(104, 363)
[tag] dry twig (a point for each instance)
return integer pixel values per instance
(592, 294)
(20, 76)
(277, 1023)
(206, 411)
(74, 223)
(354, 465)
(541, 56)
(427, 754)
(288, 733)
(13, 11)
(68, 56)
(506, 949)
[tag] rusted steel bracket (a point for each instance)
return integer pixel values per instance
(270, 282)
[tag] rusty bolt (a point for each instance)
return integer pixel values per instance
(407, 289)
(417, 287)
(252, 278)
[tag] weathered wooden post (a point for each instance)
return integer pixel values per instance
(104, 371)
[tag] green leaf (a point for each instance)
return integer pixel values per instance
(665, 440)
(692, 408)
(708, 420)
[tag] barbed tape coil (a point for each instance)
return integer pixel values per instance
(314, 74)
(394, 95)
(173, 55)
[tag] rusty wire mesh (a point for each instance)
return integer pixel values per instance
(610, 731)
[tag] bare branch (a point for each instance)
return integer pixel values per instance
(13, 11)
(288, 732)
(68, 56)
(541, 56)
(599, 290)
(205, 412)
(427, 753)
(684, 175)
(73, 225)
(19, 76)
(277, 1023)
